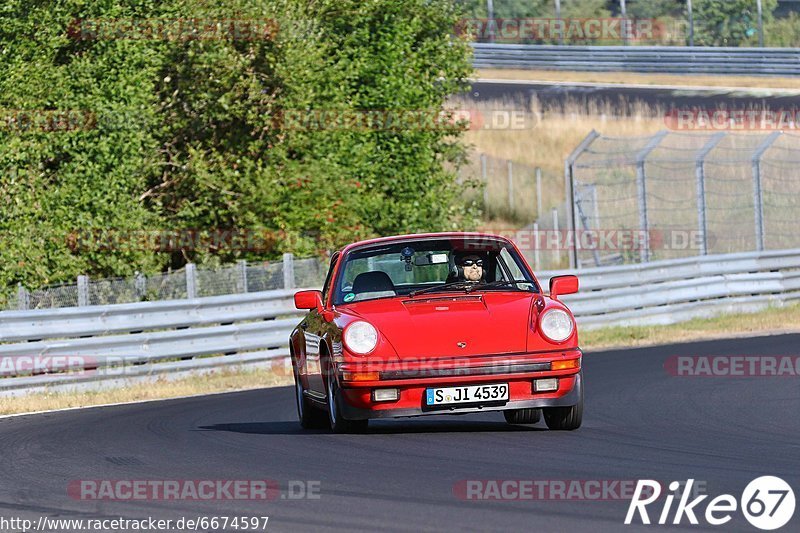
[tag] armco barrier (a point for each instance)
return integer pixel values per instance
(253, 328)
(659, 59)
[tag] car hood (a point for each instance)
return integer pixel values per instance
(451, 325)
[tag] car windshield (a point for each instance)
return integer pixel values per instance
(410, 267)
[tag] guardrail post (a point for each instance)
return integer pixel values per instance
(83, 291)
(569, 187)
(758, 197)
(641, 188)
(288, 271)
(700, 174)
(242, 266)
(191, 280)
(23, 298)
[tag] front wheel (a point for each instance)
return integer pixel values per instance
(566, 418)
(338, 423)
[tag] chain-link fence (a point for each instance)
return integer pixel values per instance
(188, 282)
(672, 195)
(511, 192)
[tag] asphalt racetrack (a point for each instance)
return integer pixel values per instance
(404, 475)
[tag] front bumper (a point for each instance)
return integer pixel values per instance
(412, 381)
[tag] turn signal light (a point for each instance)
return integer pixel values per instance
(361, 376)
(565, 364)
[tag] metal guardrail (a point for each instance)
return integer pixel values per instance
(117, 343)
(667, 292)
(123, 342)
(664, 59)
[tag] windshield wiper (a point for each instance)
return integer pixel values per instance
(469, 286)
(498, 283)
(451, 285)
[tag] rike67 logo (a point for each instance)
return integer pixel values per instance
(767, 503)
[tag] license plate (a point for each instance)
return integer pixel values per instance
(493, 392)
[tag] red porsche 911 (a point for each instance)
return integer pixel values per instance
(445, 323)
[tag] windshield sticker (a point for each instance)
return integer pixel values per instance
(349, 297)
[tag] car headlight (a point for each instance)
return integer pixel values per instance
(556, 325)
(361, 337)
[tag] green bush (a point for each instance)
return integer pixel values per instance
(184, 134)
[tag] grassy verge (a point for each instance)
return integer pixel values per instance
(232, 379)
(772, 320)
(696, 80)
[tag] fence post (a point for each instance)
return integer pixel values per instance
(758, 196)
(557, 239)
(510, 186)
(23, 298)
(242, 267)
(538, 192)
(569, 188)
(191, 280)
(485, 178)
(288, 271)
(641, 189)
(83, 291)
(140, 286)
(700, 174)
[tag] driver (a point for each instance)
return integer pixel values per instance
(471, 268)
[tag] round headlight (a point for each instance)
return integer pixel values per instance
(556, 325)
(361, 337)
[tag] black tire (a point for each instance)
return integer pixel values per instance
(523, 416)
(566, 418)
(308, 414)
(338, 423)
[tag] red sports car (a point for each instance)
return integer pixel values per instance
(444, 323)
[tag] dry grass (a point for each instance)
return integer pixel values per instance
(761, 82)
(551, 134)
(770, 321)
(227, 380)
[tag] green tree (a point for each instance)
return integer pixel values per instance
(729, 22)
(185, 134)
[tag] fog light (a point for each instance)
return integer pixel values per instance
(385, 395)
(545, 385)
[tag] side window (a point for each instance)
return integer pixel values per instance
(329, 278)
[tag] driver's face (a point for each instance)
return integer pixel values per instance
(473, 269)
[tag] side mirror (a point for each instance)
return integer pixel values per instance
(308, 300)
(563, 285)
